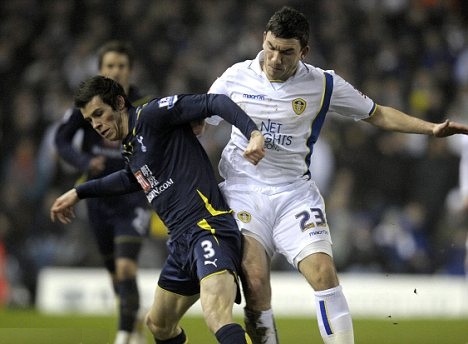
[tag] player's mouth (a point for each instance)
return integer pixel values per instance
(276, 67)
(104, 133)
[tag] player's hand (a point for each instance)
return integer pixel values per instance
(62, 209)
(448, 128)
(255, 150)
(97, 165)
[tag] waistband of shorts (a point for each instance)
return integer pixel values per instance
(247, 184)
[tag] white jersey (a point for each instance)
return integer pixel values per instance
(290, 115)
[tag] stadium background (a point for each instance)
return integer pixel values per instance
(392, 199)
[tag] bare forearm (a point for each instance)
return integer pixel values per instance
(392, 119)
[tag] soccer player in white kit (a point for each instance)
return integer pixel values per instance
(277, 206)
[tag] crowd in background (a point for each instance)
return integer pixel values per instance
(392, 200)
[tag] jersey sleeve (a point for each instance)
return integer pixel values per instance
(348, 101)
(117, 183)
(226, 108)
(72, 122)
(182, 109)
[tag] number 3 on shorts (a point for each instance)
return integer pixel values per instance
(208, 248)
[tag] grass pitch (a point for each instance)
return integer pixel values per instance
(24, 327)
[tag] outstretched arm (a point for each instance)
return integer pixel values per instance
(117, 183)
(196, 107)
(388, 118)
(62, 209)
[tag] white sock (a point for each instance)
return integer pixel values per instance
(261, 326)
(334, 319)
(122, 337)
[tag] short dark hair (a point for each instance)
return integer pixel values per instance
(101, 86)
(289, 23)
(118, 47)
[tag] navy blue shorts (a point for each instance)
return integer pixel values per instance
(199, 252)
(119, 224)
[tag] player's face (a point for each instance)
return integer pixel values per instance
(281, 56)
(105, 120)
(117, 67)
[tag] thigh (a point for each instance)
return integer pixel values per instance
(254, 215)
(255, 261)
(217, 296)
(168, 307)
(301, 223)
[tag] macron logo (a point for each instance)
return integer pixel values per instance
(254, 96)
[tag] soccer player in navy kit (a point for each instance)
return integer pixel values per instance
(119, 223)
(165, 159)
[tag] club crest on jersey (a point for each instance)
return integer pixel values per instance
(244, 216)
(299, 105)
(140, 141)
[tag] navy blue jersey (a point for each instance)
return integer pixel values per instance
(167, 161)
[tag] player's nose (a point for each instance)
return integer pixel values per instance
(276, 58)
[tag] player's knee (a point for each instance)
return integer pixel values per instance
(149, 322)
(257, 285)
(125, 269)
(321, 275)
(158, 330)
(256, 278)
(257, 291)
(125, 274)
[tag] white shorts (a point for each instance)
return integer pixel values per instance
(290, 220)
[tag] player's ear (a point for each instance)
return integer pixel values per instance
(120, 103)
(304, 51)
